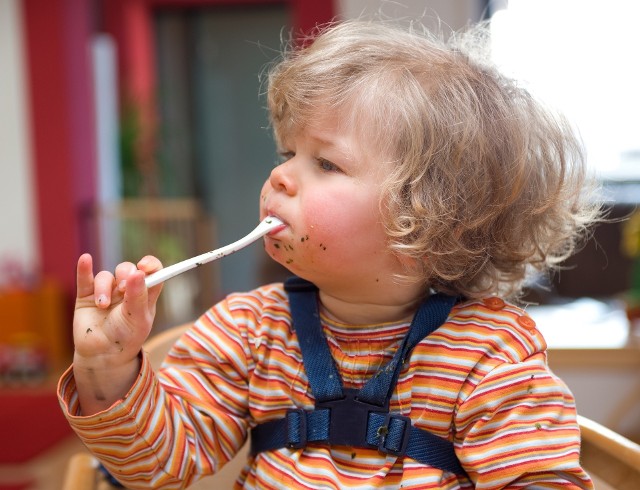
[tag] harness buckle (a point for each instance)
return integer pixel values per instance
(348, 422)
(296, 428)
(394, 434)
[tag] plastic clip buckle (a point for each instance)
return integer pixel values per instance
(405, 435)
(301, 429)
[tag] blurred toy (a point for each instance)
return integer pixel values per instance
(631, 248)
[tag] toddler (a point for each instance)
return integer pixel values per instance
(419, 190)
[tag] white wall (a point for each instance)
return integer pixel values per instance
(18, 240)
(454, 14)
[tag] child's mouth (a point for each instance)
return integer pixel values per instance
(275, 231)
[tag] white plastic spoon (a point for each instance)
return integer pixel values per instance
(268, 224)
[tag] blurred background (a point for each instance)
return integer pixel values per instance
(134, 127)
(130, 127)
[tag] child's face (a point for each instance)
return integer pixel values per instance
(328, 192)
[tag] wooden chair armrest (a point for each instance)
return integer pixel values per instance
(80, 473)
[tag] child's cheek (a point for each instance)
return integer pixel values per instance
(328, 237)
(321, 226)
(263, 196)
(326, 212)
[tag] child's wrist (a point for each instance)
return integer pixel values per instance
(100, 382)
(106, 363)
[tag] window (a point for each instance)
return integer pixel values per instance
(580, 56)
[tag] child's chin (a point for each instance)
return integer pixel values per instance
(288, 264)
(276, 256)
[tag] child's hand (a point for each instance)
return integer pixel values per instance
(113, 314)
(112, 319)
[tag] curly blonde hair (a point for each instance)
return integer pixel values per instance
(489, 186)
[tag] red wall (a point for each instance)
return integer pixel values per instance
(57, 36)
(57, 42)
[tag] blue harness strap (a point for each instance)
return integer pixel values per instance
(349, 417)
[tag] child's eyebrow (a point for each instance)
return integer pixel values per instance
(341, 147)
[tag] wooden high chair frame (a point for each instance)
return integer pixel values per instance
(610, 459)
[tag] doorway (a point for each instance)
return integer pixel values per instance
(215, 143)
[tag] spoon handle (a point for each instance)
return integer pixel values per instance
(265, 226)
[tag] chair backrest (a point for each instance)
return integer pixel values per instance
(157, 348)
(611, 460)
(158, 345)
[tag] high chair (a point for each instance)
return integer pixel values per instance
(610, 459)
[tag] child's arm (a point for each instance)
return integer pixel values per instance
(184, 421)
(113, 317)
(520, 430)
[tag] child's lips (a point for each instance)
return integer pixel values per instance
(279, 228)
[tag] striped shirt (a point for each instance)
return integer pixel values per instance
(481, 380)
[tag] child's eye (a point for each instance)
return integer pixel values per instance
(327, 166)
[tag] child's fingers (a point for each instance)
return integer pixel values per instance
(148, 265)
(135, 305)
(154, 293)
(123, 271)
(84, 276)
(103, 286)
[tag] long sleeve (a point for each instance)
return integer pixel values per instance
(519, 428)
(162, 433)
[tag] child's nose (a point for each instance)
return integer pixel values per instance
(283, 179)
